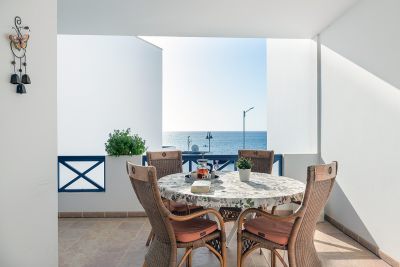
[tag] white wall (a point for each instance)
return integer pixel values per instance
(360, 121)
(107, 83)
(28, 141)
(292, 105)
(369, 36)
(295, 165)
(291, 96)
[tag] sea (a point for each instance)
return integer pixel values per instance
(221, 143)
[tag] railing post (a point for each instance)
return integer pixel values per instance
(279, 158)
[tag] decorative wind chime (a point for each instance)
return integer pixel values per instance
(18, 45)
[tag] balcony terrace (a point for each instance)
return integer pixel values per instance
(332, 95)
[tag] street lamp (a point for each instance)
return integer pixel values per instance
(189, 141)
(244, 126)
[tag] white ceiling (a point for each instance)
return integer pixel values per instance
(230, 18)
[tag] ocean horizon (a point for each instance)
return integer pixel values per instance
(223, 142)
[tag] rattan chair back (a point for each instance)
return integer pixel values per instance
(320, 180)
(162, 251)
(166, 162)
(263, 160)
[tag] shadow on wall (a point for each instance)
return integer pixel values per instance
(340, 199)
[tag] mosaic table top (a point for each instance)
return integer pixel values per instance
(262, 190)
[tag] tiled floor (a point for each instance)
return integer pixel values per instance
(121, 242)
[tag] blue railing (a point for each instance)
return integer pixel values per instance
(81, 174)
(87, 173)
(224, 161)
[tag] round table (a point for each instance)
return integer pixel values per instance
(263, 190)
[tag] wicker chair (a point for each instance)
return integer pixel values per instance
(172, 231)
(166, 163)
(294, 233)
(263, 161)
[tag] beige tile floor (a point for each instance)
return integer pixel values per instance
(121, 242)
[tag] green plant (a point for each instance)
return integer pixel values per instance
(122, 143)
(244, 163)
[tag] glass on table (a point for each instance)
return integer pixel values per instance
(202, 169)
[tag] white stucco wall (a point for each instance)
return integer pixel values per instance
(292, 96)
(292, 105)
(368, 34)
(295, 165)
(107, 83)
(360, 120)
(28, 141)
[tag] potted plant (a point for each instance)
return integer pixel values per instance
(121, 146)
(121, 143)
(244, 165)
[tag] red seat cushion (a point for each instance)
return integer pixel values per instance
(277, 232)
(193, 229)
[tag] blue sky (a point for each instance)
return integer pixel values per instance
(207, 82)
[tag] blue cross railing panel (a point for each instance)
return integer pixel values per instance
(87, 173)
(81, 174)
(225, 162)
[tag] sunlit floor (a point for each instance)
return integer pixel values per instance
(121, 242)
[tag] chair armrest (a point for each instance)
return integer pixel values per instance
(273, 210)
(288, 218)
(296, 202)
(167, 203)
(198, 214)
(299, 202)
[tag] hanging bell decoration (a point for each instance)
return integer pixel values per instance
(18, 46)
(21, 89)
(15, 79)
(25, 79)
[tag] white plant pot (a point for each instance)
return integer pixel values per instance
(118, 164)
(244, 174)
(136, 159)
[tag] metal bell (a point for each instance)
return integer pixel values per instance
(21, 89)
(15, 79)
(25, 79)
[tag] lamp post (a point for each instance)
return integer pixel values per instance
(189, 141)
(244, 126)
(209, 137)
